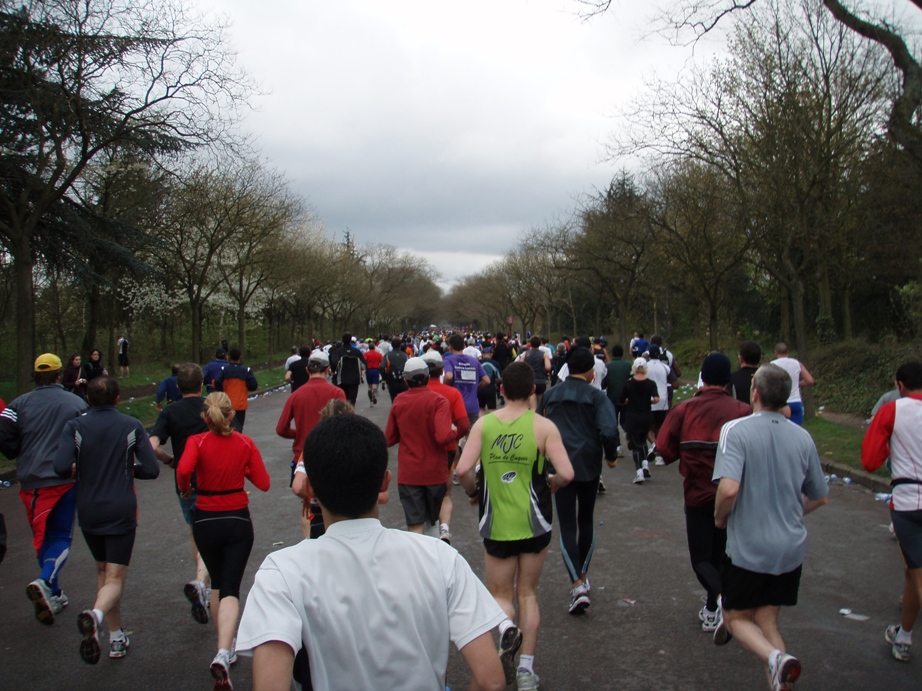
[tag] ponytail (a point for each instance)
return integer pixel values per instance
(218, 412)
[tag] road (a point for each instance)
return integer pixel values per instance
(641, 632)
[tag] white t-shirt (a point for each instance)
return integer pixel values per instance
(375, 607)
(792, 367)
(658, 372)
(292, 358)
(473, 351)
(598, 367)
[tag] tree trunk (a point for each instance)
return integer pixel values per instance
(712, 323)
(241, 327)
(25, 314)
(94, 307)
(195, 313)
(785, 314)
(800, 335)
(847, 328)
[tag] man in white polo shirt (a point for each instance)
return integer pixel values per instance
(375, 608)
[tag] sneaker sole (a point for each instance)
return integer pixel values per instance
(790, 672)
(221, 679)
(43, 611)
(199, 611)
(722, 634)
(580, 606)
(646, 475)
(508, 646)
(89, 646)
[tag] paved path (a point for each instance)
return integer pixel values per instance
(641, 556)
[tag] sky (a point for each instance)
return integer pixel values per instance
(448, 129)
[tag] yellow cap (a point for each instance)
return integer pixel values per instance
(46, 362)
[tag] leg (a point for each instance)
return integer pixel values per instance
(109, 596)
(418, 528)
(59, 534)
(586, 496)
(749, 627)
(565, 506)
(912, 595)
(500, 581)
(529, 571)
(703, 545)
(228, 610)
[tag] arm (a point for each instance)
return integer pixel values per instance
(299, 481)
(9, 433)
(556, 453)
(283, 427)
(461, 420)
(218, 381)
(272, 666)
(667, 441)
(876, 445)
(726, 498)
(252, 384)
(256, 469)
(66, 455)
(186, 466)
(806, 379)
(607, 424)
(482, 659)
(392, 431)
(484, 382)
(161, 455)
(445, 431)
(147, 467)
(813, 504)
(469, 457)
(547, 362)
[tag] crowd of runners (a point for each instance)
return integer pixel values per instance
(522, 428)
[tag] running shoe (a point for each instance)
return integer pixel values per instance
(579, 599)
(659, 461)
(722, 634)
(784, 672)
(232, 658)
(620, 452)
(509, 644)
(526, 681)
(709, 620)
(195, 593)
(454, 479)
(652, 454)
(601, 487)
(445, 535)
(638, 478)
(89, 628)
(40, 595)
(220, 670)
(59, 602)
(645, 467)
(119, 647)
(374, 398)
(900, 650)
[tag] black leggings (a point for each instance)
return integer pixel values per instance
(395, 386)
(575, 504)
(706, 547)
(639, 442)
(224, 539)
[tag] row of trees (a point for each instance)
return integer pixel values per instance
(771, 201)
(129, 200)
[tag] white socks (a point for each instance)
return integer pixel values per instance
(903, 637)
(527, 663)
(504, 626)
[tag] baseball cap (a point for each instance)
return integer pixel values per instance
(219, 353)
(414, 366)
(432, 355)
(319, 357)
(46, 362)
(639, 364)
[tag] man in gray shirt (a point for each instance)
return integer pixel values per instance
(770, 478)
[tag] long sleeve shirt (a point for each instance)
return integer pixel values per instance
(221, 464)
(420, 421)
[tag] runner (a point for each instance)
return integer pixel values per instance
(516, 515)
(466, 374)
(105, 450)
(690, 435)
(30, 431)
(394, 362)
(123, 365)
(637, 399)
(770, 478)
(540, 362)
(221, 458)
(178, 422)
(800, 378)
(618, 372)
(486, 396)
(657, 372)
(347, 364)
(236, 380)
(420, 421)
(750, 355)
(373, 374)
(896, 431)
(376, 608)
(586, 420)
(213, 368)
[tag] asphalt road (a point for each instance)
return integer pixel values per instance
(641, 632)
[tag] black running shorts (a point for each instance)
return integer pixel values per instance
(744, 589)
(111, 549)
(908, 528)
(421, 503)
(505, 549)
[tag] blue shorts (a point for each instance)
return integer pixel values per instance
(373, 376)
(797, 413)
(187, 506)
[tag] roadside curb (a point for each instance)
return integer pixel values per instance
(874, 483)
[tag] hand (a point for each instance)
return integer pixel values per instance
(720, 522)
(554, 482)
(186, 494)
(73, 471)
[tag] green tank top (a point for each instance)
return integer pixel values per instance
(516, 496)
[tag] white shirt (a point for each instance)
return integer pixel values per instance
(658, 372)
(473, 351)
(792, 367)
(293, 358)
(375, 607)
(598, 368)
(384, 347)
(547, 349)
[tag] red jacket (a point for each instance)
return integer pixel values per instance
(304, 406)
(690, 435)
(420, 422)
(220, 464)
(456, 403)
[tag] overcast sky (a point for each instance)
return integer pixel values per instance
(445, 128)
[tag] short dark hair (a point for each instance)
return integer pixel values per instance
(656, 339)
(345, 457)
(189, 378)
(47, 377)
(617, 351)
(174, 370)
(234, 354)
(773, 385)
(751, 352)
(294, 350)
(102, 391)
(395, 343)
(456, 342)
(347, 338)
(910, 375)
(518, 381)
(535, 341)
(781, 348)
(305, 350)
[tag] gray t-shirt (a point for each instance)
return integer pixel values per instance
(775, 461)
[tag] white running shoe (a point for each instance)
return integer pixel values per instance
(59, 602)
(220, 670)
(709, 620)
(638, 478)
(40, 594)
(89, 629)
(119, 647)
(900, 650)
(526, 681)
(645, 468)
(659, 461)
(579, 599)
(784, 672)
(195, 593)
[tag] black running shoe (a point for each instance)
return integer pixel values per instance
(509, 645)
(89, 646)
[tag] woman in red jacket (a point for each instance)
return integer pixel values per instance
(221, 458)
